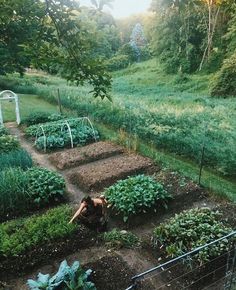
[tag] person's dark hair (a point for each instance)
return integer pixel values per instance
(87, 199)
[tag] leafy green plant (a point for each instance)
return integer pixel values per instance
(8, 143)
(45, 185)
(67, 278)
(19, 236)
(191, 229)
(3, 131)
(39, 117)
(17, 158)
(13, 191)
(121, 239)
(136, 194)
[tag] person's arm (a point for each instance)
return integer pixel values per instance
(82, 206)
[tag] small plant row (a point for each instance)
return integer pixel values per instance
(40, 117)
(67, 278)
(26, 190)
(58, 135)
(22, 235)
(190, 230)
(136, 195)
(15, 158)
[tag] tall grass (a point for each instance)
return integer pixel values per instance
(18, 158)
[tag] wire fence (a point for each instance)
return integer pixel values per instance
(185, 273)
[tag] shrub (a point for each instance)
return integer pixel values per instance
(3, 131)
(19, 236)
(45, 186)
(39, 117)
(8, 143)
(136, 194)
(191, 229)
(67, 278)
(118, 62)
(17, 158)
(120, 239)
(224, 84)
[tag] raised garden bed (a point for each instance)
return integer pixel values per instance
(78, 156)
(103, 173)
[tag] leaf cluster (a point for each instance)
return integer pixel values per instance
(136, 194)
(192, 229)
(121, 239)
(8, 143)
(3, 131)
(40, 117)
(67, 278)
(19, 236)
(16, 158)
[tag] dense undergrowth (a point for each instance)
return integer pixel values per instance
(174, 113)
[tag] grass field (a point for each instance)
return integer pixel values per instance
(28, 104)
(174, 115)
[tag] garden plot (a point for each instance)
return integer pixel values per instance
(98, 175)
(79, 156)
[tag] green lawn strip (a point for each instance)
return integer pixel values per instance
(22, 235)
(28, 104)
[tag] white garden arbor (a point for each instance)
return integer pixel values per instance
(8, 96)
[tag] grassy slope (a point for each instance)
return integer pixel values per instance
(145, 88)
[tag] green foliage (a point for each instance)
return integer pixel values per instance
(68, 278)
(118, 62)
(121, 239)
(45, 185)
(3, 131)
(56, 137)
(13, 191)
(191, 229)
(18, 158)
(224, 84)
(22, 235)
(23, 190)
(39, 117)
(136, 194)
(8, 143)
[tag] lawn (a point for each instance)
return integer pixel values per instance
(28, 104)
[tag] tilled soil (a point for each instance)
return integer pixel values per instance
(98, 175)
(82, 155)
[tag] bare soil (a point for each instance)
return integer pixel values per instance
(98, 175)
(78, 156)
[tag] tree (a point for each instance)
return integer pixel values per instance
(48, 35)
(99, 4)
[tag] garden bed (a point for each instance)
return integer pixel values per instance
(78, 156)
(103, 173)
(13, 267)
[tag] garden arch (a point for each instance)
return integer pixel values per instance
(9, 95)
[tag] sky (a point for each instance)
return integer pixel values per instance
(124, 8)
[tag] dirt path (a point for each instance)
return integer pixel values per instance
(75, 194)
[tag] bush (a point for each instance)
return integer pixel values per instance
(121, 239)
(40, 117)
(191, 229)
(45, 186)
(3, 131)
(224, 83)
(8, 143)
(118, 62)
(136, 194)
(22, 235)
(18, 158)
(67, 278)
